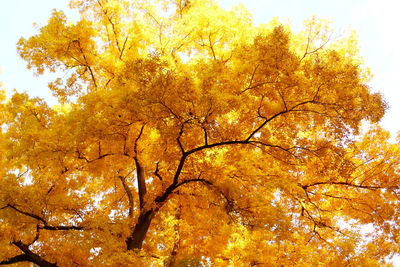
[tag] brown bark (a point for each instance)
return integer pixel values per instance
(140, 172)
(135, 241)
(27, 256)
(141, 182)
(128, 193)
(15, 259)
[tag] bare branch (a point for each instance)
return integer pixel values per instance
(15, 259)
(31, 256)
(34, 216)
(211, 46)
(178, 139)
(344, 184)
(128, 193)
(36, 115)
(81, 156)
(139, 171)
(249, 86)
(123, 48)
(171, 188)
(61, 227)
(253, 86)
(86, 63)
(264, 123)
(307, 52)
(105, 12)
(45, 225)
(169, 109)
(156, 172)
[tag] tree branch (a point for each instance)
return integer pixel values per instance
(81, 156)
(342, 183)
(157, 172)
(140, 172)
(128, 193)
(46, 226)
(86, 63)
(34, 216)
(113, 29)
(185, 154)
(61, 227)
(277, 115)
(178, 139)
(18, 258)
(31, 256)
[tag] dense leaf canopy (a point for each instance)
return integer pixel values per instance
(186, 136)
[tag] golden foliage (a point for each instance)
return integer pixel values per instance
(186, 136)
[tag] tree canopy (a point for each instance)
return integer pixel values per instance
(184, 135)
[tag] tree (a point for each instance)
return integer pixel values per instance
(186, 136)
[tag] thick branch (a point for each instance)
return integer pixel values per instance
(277, 115)
(172, 187)
(61, 227)
(18, 258)
(34, 216)
(140, 172)
(135, 240)
(217, 144)
(33, 257)
(238, 142)
(157, 172)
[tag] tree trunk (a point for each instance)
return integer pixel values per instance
(135, 240)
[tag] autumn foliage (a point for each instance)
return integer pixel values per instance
(186, 136)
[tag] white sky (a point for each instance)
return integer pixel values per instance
(376, 21)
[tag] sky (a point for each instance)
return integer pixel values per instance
(376, 22)
(16, 20)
